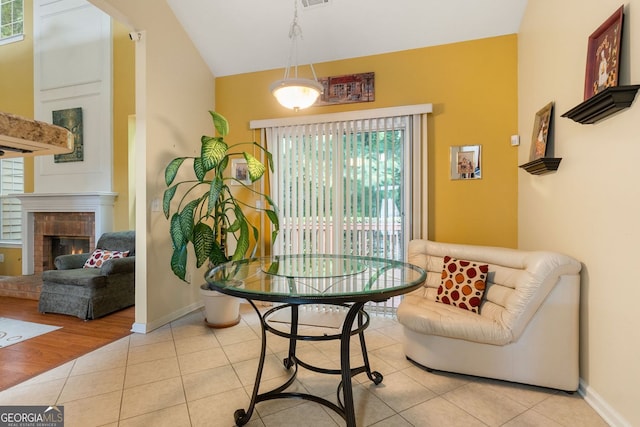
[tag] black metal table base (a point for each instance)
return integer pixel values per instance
(344, 391)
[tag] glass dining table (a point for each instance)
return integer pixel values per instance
(292, 281)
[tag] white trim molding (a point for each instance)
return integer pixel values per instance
(145, 328)
(100, 203)
(608, 414)
(405, 110)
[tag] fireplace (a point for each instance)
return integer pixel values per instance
(52, 227)
(72, 216)
(63, 245)
(53, 246)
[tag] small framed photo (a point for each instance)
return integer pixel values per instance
(540, 135)
(465, 162)
(603, 55)
(240, 172)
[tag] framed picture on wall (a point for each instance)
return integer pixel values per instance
(240, 172)
(70, 119)
(465, 162)
(540, 136)
(347, 89)
(603, 55)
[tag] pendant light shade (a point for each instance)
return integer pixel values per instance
(294, 92)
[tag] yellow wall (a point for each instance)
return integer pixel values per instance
(123, 106)
(16, 97)
(16, 71)
(473, 88)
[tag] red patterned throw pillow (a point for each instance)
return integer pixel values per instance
(463, 283)
(101, 255)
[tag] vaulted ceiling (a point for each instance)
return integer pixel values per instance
(240, 36)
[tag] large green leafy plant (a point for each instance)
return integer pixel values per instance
(206, 212)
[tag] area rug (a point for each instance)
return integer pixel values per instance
(14, 331)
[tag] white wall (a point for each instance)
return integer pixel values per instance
(174, 91)
(590, 207)
(73, 69)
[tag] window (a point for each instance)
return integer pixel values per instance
(11, 20)
(11, 182)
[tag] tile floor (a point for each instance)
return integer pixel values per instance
(186, 374)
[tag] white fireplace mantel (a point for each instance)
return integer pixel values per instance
(100, 203)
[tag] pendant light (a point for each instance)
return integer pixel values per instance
(294, 92)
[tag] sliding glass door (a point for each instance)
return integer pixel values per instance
(341, 186)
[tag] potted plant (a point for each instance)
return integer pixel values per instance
(205, 212)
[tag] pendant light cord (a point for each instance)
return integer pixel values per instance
(295, 33)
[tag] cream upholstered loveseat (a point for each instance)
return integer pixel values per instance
(528, 323)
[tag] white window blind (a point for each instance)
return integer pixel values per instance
(11, 182)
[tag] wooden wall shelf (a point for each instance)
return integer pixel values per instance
(542, 166)
(603, 104)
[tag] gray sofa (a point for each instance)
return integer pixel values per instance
(89, 293)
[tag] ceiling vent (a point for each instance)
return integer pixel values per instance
(313, 3)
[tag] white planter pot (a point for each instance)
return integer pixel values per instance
(221, 311)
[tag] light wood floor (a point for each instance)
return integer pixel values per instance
(26, 359)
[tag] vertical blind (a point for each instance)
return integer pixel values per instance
(346, 183)
(339, 186)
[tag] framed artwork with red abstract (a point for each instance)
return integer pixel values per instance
(603, 55)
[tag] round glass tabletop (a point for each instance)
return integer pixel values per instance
(316, 266)
(315, 278)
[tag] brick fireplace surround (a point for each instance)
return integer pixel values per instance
(67, 224)
(59, 214)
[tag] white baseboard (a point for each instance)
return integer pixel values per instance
(608, 414)
(144, 328)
